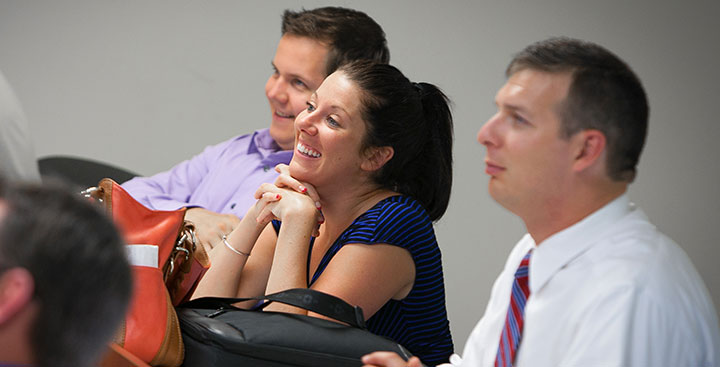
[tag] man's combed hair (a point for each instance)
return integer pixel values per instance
(605, 95)
(350, 34)
(79, 267)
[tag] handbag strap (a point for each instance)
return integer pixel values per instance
(307, 299)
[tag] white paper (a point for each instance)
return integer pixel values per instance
(142, 255)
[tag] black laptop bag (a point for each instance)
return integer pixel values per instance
(217, 334)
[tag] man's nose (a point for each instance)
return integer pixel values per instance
(278, 90)
(486, 135)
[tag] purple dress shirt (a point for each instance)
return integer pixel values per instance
(222, 179)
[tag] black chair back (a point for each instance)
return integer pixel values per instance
(81, 172)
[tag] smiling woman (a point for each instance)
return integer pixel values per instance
(216, 185)
(373, 151)
(329, 135)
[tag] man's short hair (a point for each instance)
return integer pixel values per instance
(605, 95)
(79, 266)
(349, 34)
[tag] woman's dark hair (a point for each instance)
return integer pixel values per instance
(415, 120)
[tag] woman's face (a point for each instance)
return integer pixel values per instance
(329, 134)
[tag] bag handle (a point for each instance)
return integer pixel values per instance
(307, 299)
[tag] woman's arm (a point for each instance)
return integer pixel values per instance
(364, 275)
(229, 260)
(368, 275)
(299, 218)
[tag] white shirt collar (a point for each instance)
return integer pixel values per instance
(562, 247)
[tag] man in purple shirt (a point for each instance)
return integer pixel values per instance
(217, 185)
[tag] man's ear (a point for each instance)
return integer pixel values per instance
(590, 146)
(376, 157)
(16, 291)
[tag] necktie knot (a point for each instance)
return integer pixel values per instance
(524, 267)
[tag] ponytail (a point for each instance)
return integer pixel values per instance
(415, 120)
(433, 181)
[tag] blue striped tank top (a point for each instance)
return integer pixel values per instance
(419, 322)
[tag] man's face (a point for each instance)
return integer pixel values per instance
(527, 160)
(299, 68)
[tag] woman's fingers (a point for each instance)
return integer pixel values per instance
(265, 188)
(285, 180)
(387, 359)
(265, 206)
(313, 194)
(282, 169)
(265, 216)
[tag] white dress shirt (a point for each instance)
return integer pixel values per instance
(610, 290)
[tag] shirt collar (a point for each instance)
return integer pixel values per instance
(561, 248)
(263, 143)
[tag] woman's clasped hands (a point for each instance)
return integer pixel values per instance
(287, 199)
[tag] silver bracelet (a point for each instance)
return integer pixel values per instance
(224, 239)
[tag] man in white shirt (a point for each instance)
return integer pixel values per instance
(605, 287)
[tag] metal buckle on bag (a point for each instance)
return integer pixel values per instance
(194, 239)
(180, 248)
(88, 193)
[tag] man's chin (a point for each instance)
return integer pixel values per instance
(281, 139)
(496, 192)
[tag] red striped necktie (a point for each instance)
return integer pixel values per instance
(512, 331)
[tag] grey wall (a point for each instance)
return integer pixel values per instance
(145, 84)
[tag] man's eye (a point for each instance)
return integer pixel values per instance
(518, 119)
(310, 107)
(299, 83)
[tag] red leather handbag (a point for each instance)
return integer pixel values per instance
(151, 330)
